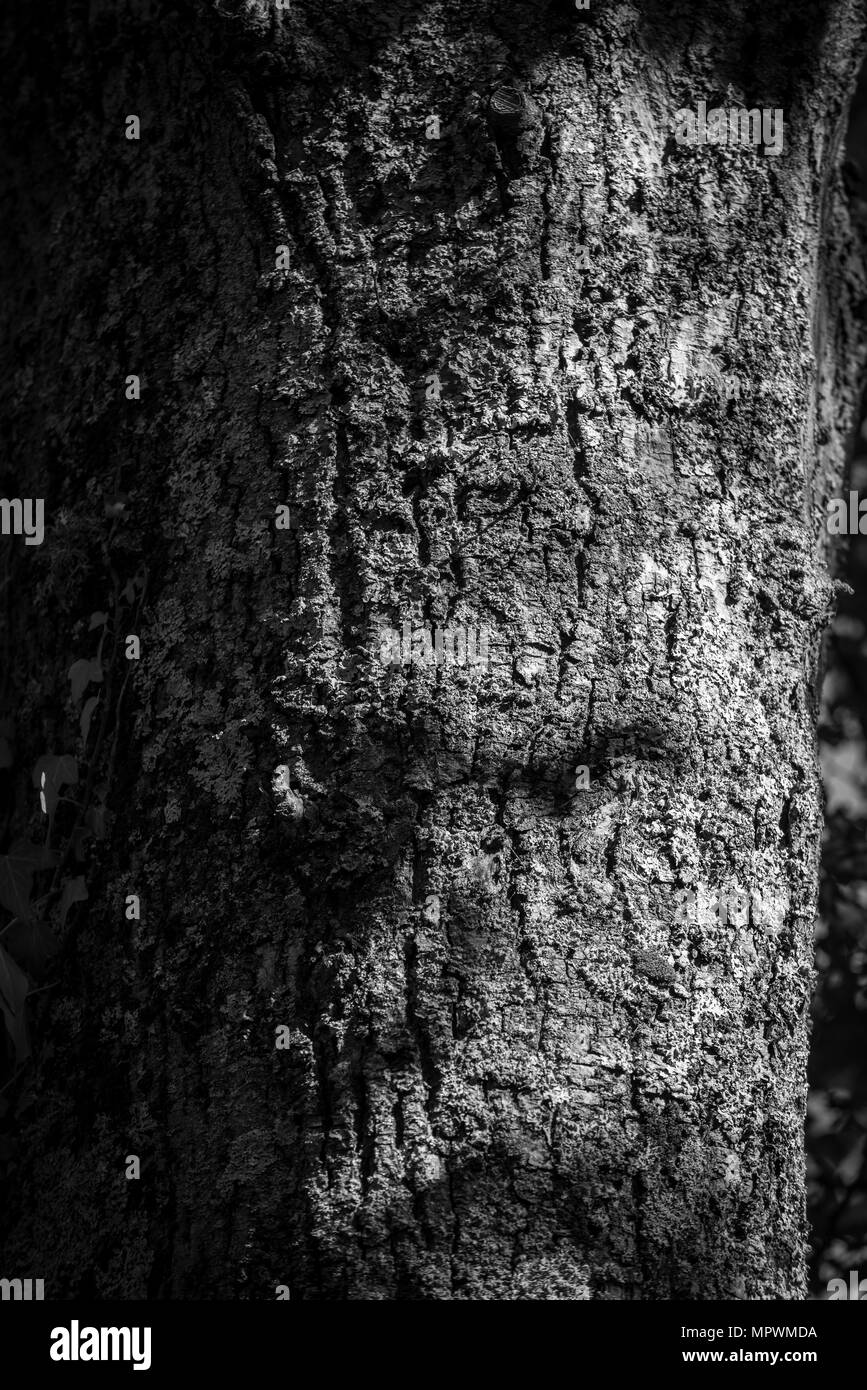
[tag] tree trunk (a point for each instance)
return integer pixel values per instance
(415, 1007)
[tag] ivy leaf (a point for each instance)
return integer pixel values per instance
(97, 620)
(86, 716)
(32, 943)
(14, 989)
(16, 884)
(49, 775)
(74, 891)
(81, 673)
(17, 869)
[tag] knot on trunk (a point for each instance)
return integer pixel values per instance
(507, 108)
(515, 123)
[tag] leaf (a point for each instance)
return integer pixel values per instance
(128, 591)
(14, 988)
(87, 714)
(17, 869)
(97, 620)
(16, 885)
(49, 775)
(32, 943)
(74, 891)
(81, 673)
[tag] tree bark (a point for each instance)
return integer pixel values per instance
(513, 1063)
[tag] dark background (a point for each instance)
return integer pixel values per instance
(837, 1109)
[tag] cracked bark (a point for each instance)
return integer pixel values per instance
(513, 1072)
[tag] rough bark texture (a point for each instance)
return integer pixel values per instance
(514, 1071)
